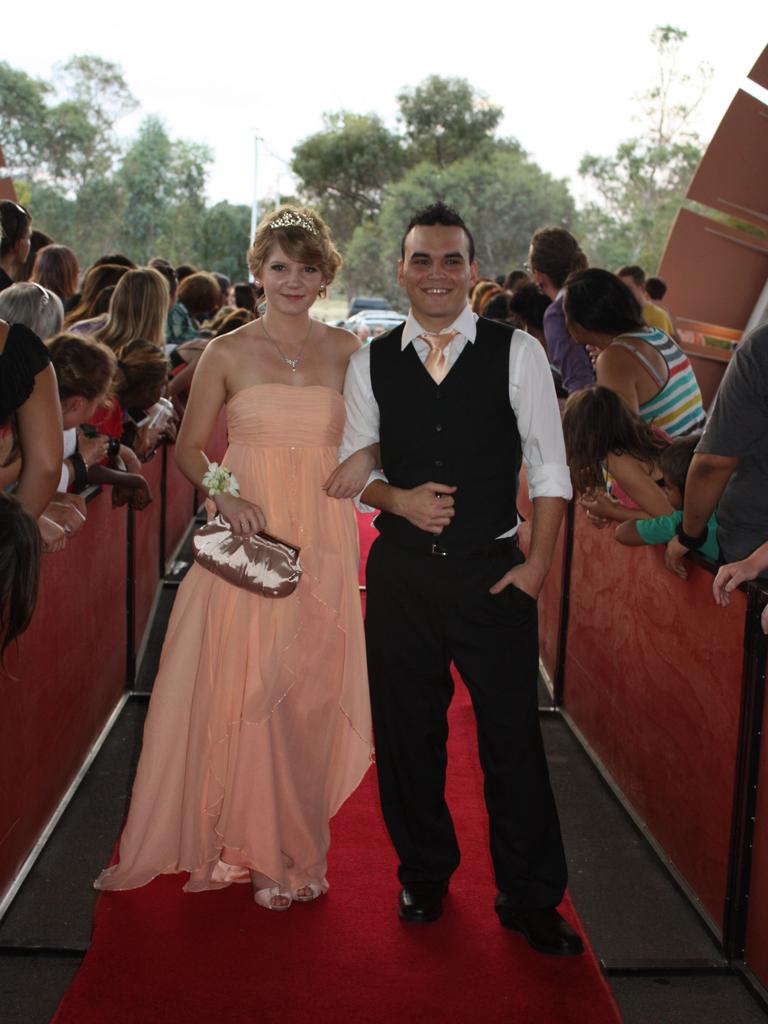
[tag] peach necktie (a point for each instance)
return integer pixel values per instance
(436, 364)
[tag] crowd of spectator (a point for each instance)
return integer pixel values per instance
(645, 458)
(96, 363)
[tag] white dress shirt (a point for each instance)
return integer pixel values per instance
(531, 395)
(70, 447)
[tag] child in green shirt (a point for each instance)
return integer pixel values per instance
(673, 463)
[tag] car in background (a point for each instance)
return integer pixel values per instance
(370, 323)
(361, 302)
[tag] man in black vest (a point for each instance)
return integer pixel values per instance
(456, 402)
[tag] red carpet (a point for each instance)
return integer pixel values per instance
(160, 955)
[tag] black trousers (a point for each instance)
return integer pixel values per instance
(422, 612)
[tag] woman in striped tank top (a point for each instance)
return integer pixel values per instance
(640, 363)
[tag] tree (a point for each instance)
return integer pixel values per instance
(503, 198)
(98, 219)
(643, 184)
(224, 240)
(90, 224)
(97, 96)
(445, 119)
(144, 180)
(344, 169)
(162, 181)
(52, 212)
(68, 142)
(22, 120)
(98, 86)
(182, 233)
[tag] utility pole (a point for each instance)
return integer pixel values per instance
(255, 203)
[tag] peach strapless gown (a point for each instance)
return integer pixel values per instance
(259, 723)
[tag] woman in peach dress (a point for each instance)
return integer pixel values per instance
(259, 724)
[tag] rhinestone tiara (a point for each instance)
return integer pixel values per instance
(289, 219)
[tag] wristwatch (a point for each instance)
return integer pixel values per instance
(692, 543)
(80, 469)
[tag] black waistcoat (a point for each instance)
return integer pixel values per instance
(462, 432)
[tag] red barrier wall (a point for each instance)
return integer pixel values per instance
(709, 368)
(72, 662)
(70, 669)
(653, 682)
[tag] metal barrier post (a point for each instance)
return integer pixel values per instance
(746, 775)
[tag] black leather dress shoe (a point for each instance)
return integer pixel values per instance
(420, 903)
(544, 928)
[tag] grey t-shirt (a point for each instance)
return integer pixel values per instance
(738, 427)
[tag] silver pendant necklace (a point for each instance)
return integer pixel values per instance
(293, 363)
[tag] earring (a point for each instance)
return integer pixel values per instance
(322, 293)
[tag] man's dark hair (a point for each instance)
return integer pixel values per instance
(601, 302)
(528, 303)
(14, 221)
(245, 296)
(115, 259)
(514, 279)
(497, 307)
(636, 273)
(438, 214)
(164, 267)
(185, 270)
(656, 288)
(675, 460)
(224, 283)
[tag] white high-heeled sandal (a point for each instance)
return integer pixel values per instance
(310, 891)
(266, 898)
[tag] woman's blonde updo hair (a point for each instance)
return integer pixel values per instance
(302, 235)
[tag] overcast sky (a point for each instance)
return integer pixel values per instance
(564, 72)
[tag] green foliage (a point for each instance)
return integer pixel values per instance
(348, 169)
(70, 141)
(99, 211)
(224, 240)
(61, 148)
(444, 119)
(22, 119)
(370, 260)
(163, 182)
(97, 85)
(642, 186)
(81, 128)
(345, 167)
(503, 198)
(366, 180)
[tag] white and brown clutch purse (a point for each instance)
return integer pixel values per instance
(260, 563)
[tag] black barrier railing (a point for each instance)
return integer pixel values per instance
(164, 507)
(558, 683)
(747, 774)
(130, 601)
(133, 643)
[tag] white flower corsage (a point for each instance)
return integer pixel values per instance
(220, 480)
